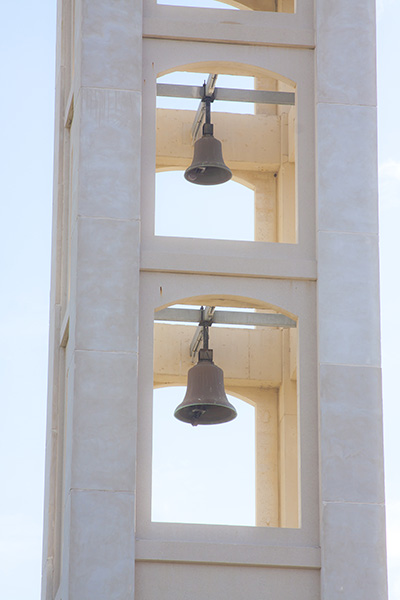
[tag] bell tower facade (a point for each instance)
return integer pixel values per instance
(290, 305)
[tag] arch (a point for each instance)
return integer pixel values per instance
(225, 67)
(287, 6)
(229, 300)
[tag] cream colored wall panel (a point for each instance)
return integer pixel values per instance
(267, 469)
(259, 259)
(179, 581)
(293, 297)
(107, 280)
(352, 445)
(263, 352)
(353, 556)
(111, 44)
(348, 299)
(252, 356)
(231, 26)
(164, 55)
(66, 470)
(347, 181)
(108, 168)
(104, 421)
(263, 550)
(50, 549)
(101, 561)
(352, 524)
(289, 489)
(346, 69)
(62, 587)
(175, 148)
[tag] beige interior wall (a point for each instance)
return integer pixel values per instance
(213, 581)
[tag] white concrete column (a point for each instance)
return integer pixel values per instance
(289, 508)
(267, 452)
(99, 531)
(352, 496)
(265, 206)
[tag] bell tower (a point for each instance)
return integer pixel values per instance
(256, 286)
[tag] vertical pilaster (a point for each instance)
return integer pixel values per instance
(267, 472)
(54, 468)
(103, 309)
(352, 512)
(288, 436)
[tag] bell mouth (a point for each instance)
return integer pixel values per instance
(206, 414)
(207, 175)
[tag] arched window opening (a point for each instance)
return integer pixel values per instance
(286, 6)
(239, 472)
(258, 146)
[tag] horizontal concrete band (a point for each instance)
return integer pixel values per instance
(301, 557)
(246, 266)
(229, 33)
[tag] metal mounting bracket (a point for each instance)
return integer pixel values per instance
(225, 94)
(225, 317)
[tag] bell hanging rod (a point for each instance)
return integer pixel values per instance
(208, 90)
(225, 317)
(205, 320)
(226, 94)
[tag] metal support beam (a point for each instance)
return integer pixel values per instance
(191, 315)
(227, 94)
(224, 94)
(225, 317)
(256, 96)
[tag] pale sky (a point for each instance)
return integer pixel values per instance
(27, 42)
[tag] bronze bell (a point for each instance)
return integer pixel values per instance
(205, 402)
(208, 167)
